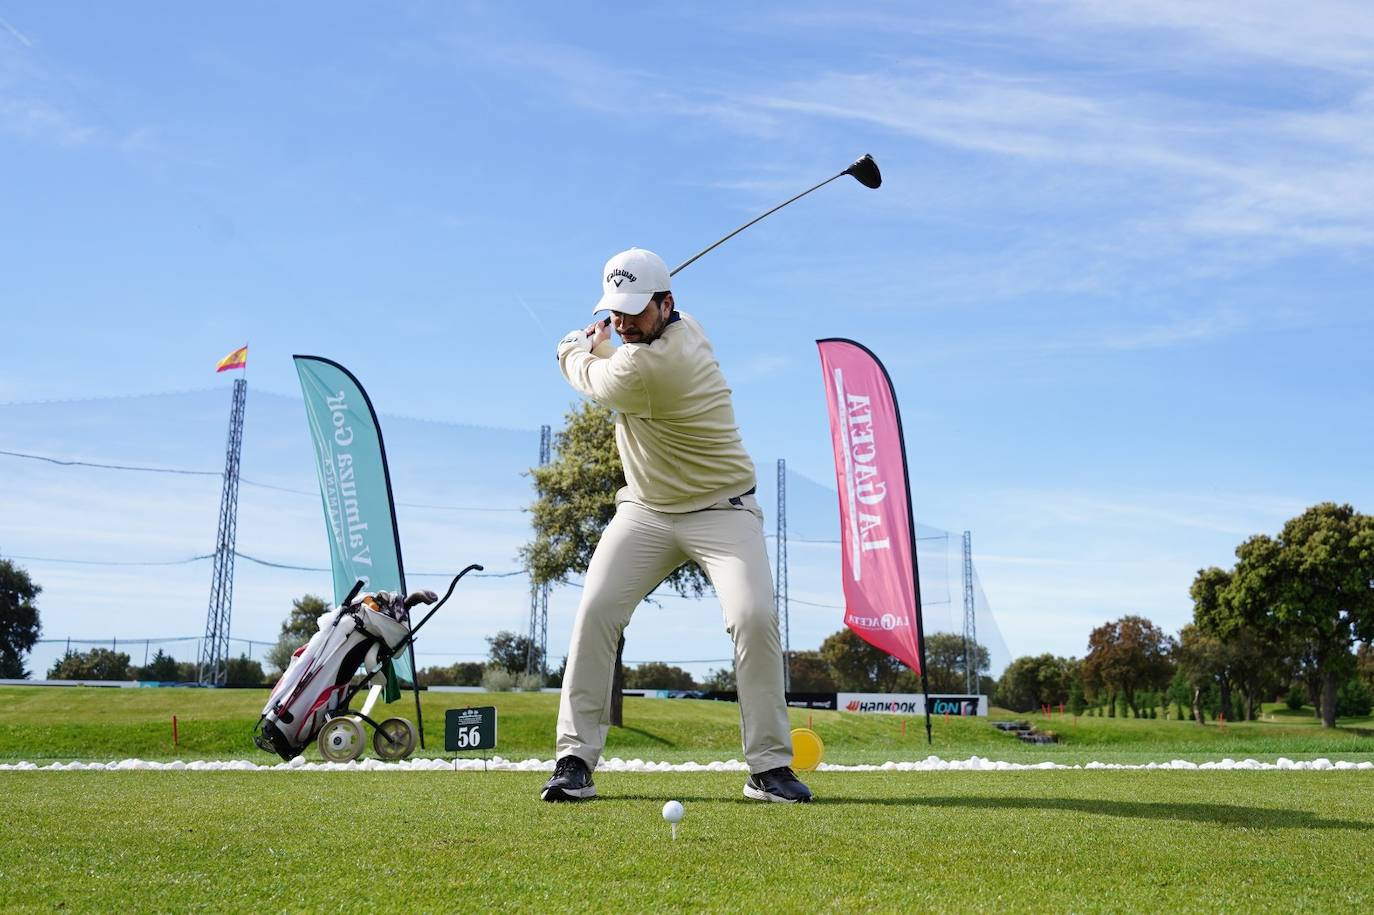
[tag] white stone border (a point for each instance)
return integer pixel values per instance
(497, 763)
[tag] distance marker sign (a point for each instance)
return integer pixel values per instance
(470, 729)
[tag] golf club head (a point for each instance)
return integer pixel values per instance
(865, 170)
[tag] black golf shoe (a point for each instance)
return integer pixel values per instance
(777, 785)
(572, 781)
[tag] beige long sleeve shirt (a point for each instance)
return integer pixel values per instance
(675, 424)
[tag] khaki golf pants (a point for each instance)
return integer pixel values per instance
(638, 549)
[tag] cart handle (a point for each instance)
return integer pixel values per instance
(447, 594)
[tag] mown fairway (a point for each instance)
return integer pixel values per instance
(44, 724)
(472, 841)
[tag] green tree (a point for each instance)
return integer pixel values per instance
(575, 501)
(1245, 659)
(946, 663)
(857, 666)
(1364, 664)
(19, 626)
(463, 673)
(1180, 691)
(1201, 664)
(808, 673)
(721, 681)
(243, 671)
(96, 664)
(1127, 655)
(1032, 681)
(1312, 583)
(299, 627)
(508, 651)
(162, 668)
(1077, 702)
(1354, 699)
(657, 675)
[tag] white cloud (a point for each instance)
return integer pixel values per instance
(1199, 158)
(1322, 34)
(18, 35)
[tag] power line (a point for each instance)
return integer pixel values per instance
(99, 397)
(170, 640)
(809, 603)
(409, 417)
(247, 482)
(262, 562)
(50, 460)
(514, 573)
(102, 562)
(296, 568)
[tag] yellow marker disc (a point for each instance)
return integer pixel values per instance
(807, 749)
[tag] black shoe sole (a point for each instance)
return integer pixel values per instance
(758, 794)
(558, 795)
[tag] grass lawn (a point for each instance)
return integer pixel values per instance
(42, 724)
(473, 841)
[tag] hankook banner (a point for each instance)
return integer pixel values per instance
(912, 704)
(877, 532)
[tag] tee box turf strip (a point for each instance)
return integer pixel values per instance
(1094, 840)
(43, 725)
(1080, 840)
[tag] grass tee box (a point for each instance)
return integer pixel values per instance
(41, 724)
(884, 841)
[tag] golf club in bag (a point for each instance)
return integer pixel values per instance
(310, 701)
(863, 169)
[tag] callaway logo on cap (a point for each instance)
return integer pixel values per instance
(631, 278)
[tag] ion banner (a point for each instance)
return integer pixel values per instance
(359, 514)
(877, 534)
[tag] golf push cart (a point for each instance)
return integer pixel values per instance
(310, 701)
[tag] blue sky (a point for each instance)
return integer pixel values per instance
(1118, 269)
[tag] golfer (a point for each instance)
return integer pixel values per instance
(689, 495)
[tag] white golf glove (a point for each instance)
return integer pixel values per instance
(577, 339)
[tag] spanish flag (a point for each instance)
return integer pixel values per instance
(238, 359)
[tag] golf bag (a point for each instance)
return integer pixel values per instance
(365, 632)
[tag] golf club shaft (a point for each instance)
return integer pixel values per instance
(716, 244)
(864, 170)
(723, 240)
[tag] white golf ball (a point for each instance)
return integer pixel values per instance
(672, 811)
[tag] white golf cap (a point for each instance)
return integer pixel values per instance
(630, 281)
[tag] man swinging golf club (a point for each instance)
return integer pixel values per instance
(689, 495)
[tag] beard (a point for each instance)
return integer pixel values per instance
(634, 335)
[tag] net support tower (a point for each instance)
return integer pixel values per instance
(538, 645)
(214, 649)
(970, 621)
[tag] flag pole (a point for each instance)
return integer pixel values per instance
(915, 568)
(911, 528)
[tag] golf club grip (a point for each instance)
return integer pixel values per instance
(358, 586)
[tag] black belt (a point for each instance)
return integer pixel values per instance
(738, 500)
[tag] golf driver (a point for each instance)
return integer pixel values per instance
(864, 170)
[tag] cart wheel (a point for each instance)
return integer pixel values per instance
(341, 739)
(402, 739)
